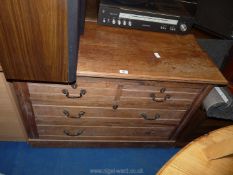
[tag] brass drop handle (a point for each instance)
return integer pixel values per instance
(67, 114)
(68, 133)
(163, 90)
(156, 99)
(115, 107)
(82, 93)
(146, 117)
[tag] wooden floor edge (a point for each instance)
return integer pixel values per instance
(81, 143)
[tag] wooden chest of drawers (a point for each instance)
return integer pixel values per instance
(109, 109)
(121, 98)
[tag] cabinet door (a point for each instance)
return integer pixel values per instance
(39, 39)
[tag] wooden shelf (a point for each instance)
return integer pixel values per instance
(104, 51)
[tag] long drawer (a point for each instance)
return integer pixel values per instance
(76, 132)
(98, 112)
(89, 116)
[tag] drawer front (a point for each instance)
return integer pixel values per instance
(55, 89)
(97, 112)
(86, 116)
(76, 132)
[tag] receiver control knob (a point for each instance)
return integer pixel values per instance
(124, 23)
(113, 21)
(183, 27)
(130, 23)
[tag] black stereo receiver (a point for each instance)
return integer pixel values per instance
(154, 15)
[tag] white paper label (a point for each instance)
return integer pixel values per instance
(148, 18)
(124, 71)
(225, 99)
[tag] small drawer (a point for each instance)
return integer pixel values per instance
(67, 95)
(76, 132)
(68, 91)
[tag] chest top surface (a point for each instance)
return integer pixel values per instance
(130, 54)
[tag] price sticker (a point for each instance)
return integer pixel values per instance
(156, 54)
(124, 72)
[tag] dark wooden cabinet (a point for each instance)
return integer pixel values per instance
(227, 69)
(199, 125)
(39, 39)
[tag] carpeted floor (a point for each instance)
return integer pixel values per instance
(18, 158)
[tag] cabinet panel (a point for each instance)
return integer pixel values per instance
(10, 124)
(37, 40)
